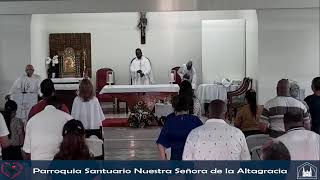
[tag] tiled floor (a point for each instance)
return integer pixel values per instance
(131, 144)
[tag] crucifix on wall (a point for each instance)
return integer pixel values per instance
(143, 22)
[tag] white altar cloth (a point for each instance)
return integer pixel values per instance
(208, 92)
(66, 87)
(66, 80)
(66, 84)
(139, 88)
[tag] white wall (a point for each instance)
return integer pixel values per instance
(223, 50)
(14, 49)
(103, 6)
(288, 48)
(172, 38)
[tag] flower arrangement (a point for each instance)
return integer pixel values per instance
(54, 60)
(141, 116)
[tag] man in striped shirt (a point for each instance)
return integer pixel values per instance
(274, 110)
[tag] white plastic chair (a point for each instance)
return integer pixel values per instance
(94, 144)
(257, 140)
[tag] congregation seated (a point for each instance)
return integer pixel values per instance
(302, 144)
(16, 132)
(216, 139)
(313, 102)
(247, 119)
(176, 129)
(73, 145)
(43, 131)
(194, 103)
(86, 107)
(47, 90)
(274, 110)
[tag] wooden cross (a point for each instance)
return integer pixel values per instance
(142, 26)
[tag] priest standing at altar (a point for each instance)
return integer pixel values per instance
(188, 72)
(140, 70)
(25, 91)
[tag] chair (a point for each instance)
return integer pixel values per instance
(94, 137)
(238, 93)
(256, 153)
(255, 142)
(94, 144)
(101, 81)
(178, 78)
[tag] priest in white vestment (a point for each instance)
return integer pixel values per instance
(188, 72)
(140, 70)
(25, 91)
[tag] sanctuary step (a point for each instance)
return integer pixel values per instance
(131, 143)
(116, 120)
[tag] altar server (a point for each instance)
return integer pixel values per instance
(140, 70)
(188, 72)
(86, 107)
(25, 91)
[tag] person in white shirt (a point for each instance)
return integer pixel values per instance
(216, 139)
(25, 91)
(302, 144)
(140, 70)
(188, 72)
(44, 131)
(86, 107)
(4, 140)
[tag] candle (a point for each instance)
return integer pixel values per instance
(172, 77)
(110, 79)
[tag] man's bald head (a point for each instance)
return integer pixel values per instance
(29, 70)
(283, 87)
(217, 109)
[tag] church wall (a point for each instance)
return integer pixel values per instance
(172, 39)
(103, 6)
(14, 50)
(288, 48)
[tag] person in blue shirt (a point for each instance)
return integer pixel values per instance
(313, 102)
(176, 129)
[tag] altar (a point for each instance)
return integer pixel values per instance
(150, 94)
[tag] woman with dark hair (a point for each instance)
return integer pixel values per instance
(248, 116)
(73, 146)
(176, 129)
(86, 107)
(194, 103)
(16, 132)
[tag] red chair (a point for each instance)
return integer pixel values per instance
(178, 78)
(101, 81)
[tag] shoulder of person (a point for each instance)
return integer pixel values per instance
(95, 99)
(146, 58)
(133, 59)
(196, 131)
(272, 102)
(237, 131)
(308, 98)
(36, 76)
